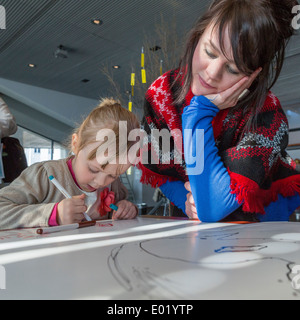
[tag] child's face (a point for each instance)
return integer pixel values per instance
(89, 174)
(212, 71)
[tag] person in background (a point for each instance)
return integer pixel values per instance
(297, 161)
(233, 57)
(8, 124)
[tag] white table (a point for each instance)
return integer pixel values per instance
(153, 259)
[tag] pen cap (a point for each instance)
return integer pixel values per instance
(113, 207)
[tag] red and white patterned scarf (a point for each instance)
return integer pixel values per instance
(257, 162)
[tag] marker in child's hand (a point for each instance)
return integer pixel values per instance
(66, 194)
(113, 207)
(60, 187)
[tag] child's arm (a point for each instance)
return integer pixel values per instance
(26, 202)
(22, 203)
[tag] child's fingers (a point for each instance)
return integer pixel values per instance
(78, 217)
(79, 204)
(120, 213)
(80, 209)
(79, 198)
(126, 210)
(131, 214)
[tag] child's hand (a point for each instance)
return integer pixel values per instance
(71, 210)
(127, 210)
(190, 207)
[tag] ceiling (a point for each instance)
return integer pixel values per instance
(36, 28)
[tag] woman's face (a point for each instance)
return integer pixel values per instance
(213, 72)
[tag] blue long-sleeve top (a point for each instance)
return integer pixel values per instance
(210, 183)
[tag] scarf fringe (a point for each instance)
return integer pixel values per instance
(254, 199)
(152, 178)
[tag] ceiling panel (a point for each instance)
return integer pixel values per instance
(35, 28)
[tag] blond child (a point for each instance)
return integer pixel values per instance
(33, 201)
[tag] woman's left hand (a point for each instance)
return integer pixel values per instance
(126, 210)
(230, 97)
(190, 207)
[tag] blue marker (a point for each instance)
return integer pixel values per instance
(114, 207)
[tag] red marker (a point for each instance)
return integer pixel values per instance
(67, 227)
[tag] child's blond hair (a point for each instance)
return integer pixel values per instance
(107, 114)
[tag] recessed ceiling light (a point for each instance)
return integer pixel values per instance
(97, 22)
(31, 65)
(116, 67)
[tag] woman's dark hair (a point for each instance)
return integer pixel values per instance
(259, 31)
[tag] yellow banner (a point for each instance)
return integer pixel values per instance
(130, 106)
(133, 79)
(144, 80)
(143, 60)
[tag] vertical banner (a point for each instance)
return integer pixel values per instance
(132, 83)
(143, 70)
(130, 104)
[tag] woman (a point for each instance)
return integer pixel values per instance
(233, 57)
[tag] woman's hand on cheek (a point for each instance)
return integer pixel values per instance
(230, 97)
(126, 210)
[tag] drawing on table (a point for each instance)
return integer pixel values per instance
(201, 262)
(150, 259)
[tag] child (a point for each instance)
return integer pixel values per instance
(233, 57)
(92, 180)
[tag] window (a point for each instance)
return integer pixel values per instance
(38, 148)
